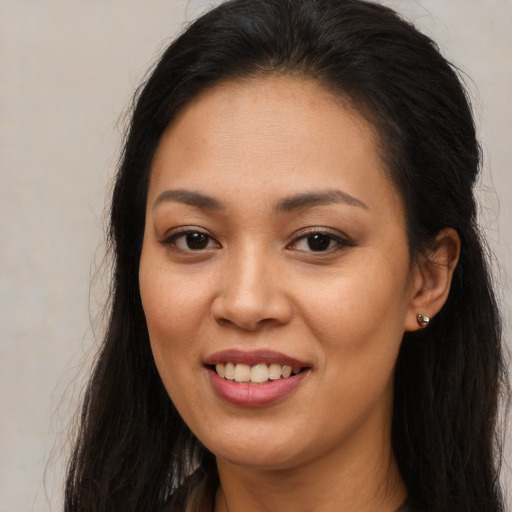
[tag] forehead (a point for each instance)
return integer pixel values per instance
(277, 135)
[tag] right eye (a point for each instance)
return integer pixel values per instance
(191, 240)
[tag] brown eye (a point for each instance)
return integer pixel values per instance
(319, 242)
(196, 241)
(188, 241)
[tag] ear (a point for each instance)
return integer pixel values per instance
(432, 277)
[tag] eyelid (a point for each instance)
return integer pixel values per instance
(341, 238)
(171, 235)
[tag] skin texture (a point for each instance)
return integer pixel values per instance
(256, 284)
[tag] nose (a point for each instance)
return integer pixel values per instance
(250, 293)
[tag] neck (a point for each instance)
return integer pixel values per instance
(349, 480)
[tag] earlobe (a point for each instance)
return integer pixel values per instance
(433, 278)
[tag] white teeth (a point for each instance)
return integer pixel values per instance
(274, 371)
(219, 368)
(286, 371)
(257, 374)
(229, 371)
(242, 373)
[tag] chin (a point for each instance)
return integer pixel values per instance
(265, 451)
(264, 460)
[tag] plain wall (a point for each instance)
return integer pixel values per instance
(68, 69)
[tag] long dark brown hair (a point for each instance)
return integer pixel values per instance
(133, 450)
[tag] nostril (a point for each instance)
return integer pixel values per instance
(245, 323)
(250, 309)
(225, 322)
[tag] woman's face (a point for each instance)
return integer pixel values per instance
(274, 239)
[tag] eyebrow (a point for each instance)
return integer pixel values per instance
(285, 205)
(310, 199)
(188, 197)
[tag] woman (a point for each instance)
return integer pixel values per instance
(302, 315)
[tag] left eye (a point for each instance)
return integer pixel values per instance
(191, 241)
(317, 242)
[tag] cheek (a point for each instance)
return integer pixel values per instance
(359, 317)
(167, 316)
(174, 302)
(357, 301)
(173, 318)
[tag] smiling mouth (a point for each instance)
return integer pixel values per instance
(256, 374)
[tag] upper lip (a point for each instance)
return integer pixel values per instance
(253, 357)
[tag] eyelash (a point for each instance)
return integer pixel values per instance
(170, 241)
(325, 236)
(340, 242)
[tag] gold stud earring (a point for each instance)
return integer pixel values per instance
(423, 320)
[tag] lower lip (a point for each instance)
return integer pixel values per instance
(254, 395)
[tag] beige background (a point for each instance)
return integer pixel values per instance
(67, 71)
